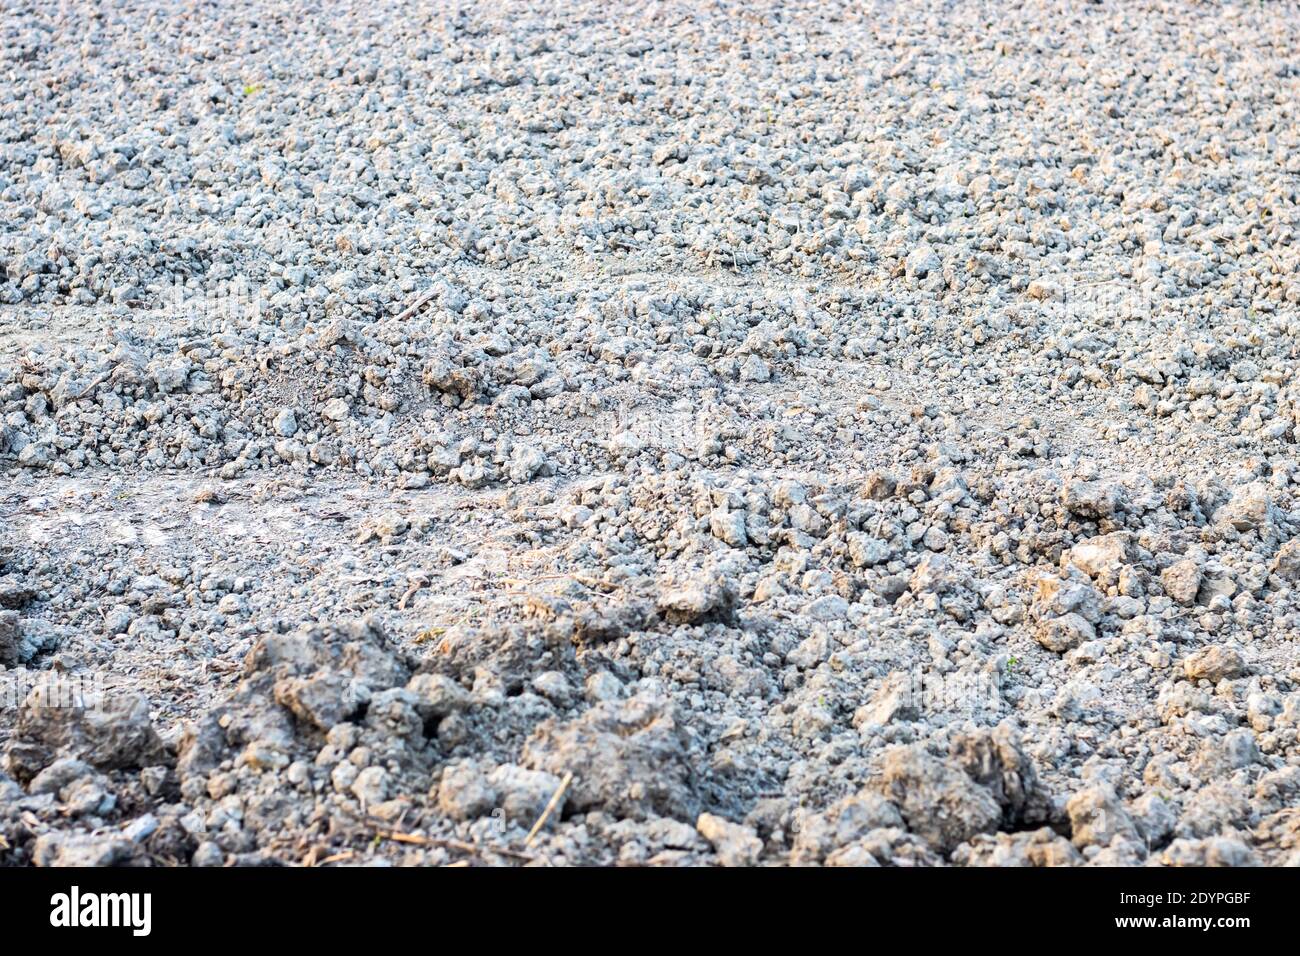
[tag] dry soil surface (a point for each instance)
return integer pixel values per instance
(649, 433)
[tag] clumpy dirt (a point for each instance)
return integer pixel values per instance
(650, 434)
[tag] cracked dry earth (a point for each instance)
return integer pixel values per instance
(649, 434)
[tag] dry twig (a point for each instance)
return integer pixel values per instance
(415, 306)
(550, 808)
(477, 849)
